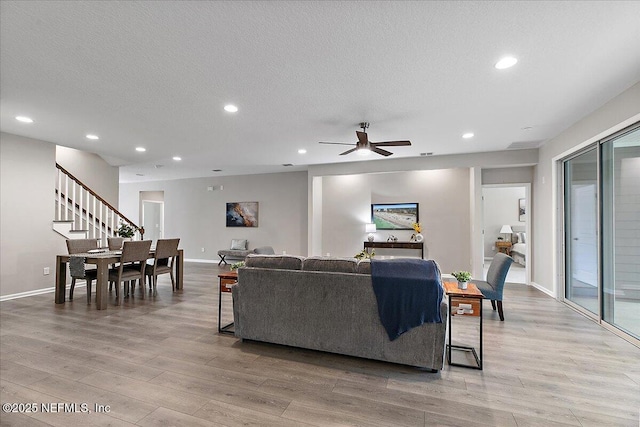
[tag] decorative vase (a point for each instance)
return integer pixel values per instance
(462, 285)
(419, 237)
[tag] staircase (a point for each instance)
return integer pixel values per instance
(81, 214)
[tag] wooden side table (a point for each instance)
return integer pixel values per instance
(503, 246)
(470, 296)
(226, 282)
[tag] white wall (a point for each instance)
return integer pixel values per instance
(197, 216)
(28, 244)
(28, 177)
(500, 208)
(617, 114)
(93, 171)
(443, 197)
(471, 244)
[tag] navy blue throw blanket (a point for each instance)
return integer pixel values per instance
(409, 293)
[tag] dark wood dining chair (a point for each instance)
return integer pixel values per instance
(163, 262)
(78, 246)
(132, 266)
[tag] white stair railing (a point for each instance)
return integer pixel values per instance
(86, 211)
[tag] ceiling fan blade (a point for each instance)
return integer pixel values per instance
(336, 143)
(380, 151)
(349, 151)
(362, 137)
(392, 143)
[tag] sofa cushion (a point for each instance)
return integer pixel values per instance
(337, 265)
(239, 244)
(364, 266)
(278, 262)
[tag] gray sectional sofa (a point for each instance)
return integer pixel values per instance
(326, 304)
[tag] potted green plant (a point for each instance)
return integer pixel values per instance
(125, 230)
(463, 278)
(237, 265)
(363, 254)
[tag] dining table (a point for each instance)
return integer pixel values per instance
(102, 259)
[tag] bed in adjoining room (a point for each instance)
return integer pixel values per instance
(519, 245)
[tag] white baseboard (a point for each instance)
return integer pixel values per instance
(543, 289)
(203, 261)
(38, 292)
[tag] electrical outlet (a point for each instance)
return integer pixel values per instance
(202, 249)
(45, 271)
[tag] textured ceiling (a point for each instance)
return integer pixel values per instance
(157, 74)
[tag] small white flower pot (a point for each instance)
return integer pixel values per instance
(462, 285)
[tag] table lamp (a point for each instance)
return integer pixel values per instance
(506, 229)
(370, 228)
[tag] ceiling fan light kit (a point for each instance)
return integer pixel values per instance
(364, 146)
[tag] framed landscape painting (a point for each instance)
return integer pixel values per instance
(394, 216)
(242, 214)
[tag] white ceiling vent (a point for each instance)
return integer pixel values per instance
(524, 145)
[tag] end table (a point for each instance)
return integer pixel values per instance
(470, 296)
(226, 282)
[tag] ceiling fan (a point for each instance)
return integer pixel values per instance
(364, 145)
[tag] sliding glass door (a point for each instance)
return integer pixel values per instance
(602, 230)
(621, 232)
(581, 238)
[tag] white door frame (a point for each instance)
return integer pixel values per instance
(161, 203)
(478, 252)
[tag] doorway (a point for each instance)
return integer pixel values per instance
(153, 219)
(506, 207)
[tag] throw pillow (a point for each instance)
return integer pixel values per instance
(238, 244)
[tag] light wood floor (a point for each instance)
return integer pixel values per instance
(160, 361)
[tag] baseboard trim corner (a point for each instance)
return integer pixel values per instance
(542, 289)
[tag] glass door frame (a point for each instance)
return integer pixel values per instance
(561, 236)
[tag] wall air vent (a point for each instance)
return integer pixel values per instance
(524, 145)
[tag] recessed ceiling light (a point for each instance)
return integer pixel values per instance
(506, 62)
(468, 135)
(93, 137)
(24, 119)
(177, 158)
(230, 108)
(287, 164)
(216, 170)
(302, 151)
(139, 174)
(141, 149)
(527, 128)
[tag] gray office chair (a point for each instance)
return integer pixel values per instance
(78, 246)
(493, 287)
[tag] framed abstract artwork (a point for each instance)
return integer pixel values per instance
(242, 214)
(522, 210)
